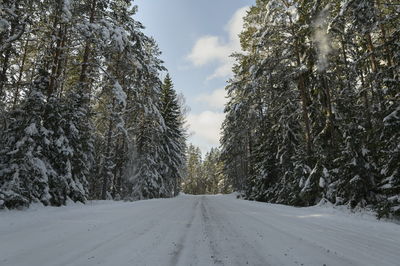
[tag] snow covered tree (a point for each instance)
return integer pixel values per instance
(390, 185)
(88, 78)
(174, 141)
(13, 24)
(147, 166)
(212, 173)
(309, 70)
(70, 149)
(193, 182)
(25, 169)
(205, 176)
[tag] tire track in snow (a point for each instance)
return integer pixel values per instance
(114, 233)
(114, 240)
(135, 231)
(228, 245)
(286, 235)
(209, 234)
(179, 246)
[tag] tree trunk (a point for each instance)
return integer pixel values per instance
(21, 71)
(389, 54)
(304, 95)
(7, 55)
(83, 80)
(58, 53)
(107, 156)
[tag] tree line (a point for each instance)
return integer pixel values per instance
(83, 110)
(314, 104)
(204, 176)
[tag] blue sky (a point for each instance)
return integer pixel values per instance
(196, 39)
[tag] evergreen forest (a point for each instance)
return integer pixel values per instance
(89, 111)
(314, 105)
(84, 113)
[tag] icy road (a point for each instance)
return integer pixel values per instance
(194, 230)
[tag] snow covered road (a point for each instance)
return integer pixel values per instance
(194, 230)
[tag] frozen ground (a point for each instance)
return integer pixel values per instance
(194, 230)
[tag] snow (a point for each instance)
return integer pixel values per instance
(392, 116)
(3, 25)
(119, 94)
(325, 172)
(394, 198)
(194, 230)
(31, 130)
(355, 179)
(364, 151)
(41, 166)
(293, 13)
(66, 13)
(321, 182)
(322, 39)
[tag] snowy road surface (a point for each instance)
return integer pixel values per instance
(194, 230)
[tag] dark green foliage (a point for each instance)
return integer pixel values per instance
(173, 137)
(26, 171)
(81, 107)
(314, 105)
(205, 176)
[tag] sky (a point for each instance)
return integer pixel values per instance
(196, 39)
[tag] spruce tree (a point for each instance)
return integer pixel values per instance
(293, 132)
(26, 169)
(173, 137)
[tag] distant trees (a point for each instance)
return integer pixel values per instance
(193, 182)
(313, 107)
(83, 112)
(205, 176)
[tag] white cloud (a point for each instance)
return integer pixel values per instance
(206, 126)
(209, 49)
(235, 26)
(217, 99)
